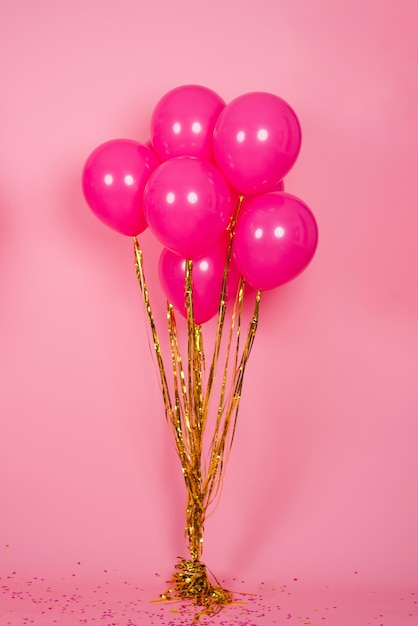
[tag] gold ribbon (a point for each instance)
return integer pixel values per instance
(187, 404)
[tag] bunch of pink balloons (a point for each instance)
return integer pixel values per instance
(205, 159)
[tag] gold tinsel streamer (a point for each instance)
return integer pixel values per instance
(186, 406)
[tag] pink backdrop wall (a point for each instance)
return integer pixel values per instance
(322, 480)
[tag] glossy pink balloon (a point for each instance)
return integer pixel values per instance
(188, 205)
(256, 141)
(278, 186)
(275, 238)
(207, 277)
(183, 121)
(114, 178)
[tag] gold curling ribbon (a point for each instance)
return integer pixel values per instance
(186, 406)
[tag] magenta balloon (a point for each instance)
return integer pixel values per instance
(183, 121)
(207, 278)
(114, 178)
(275, 238)
(256, 141)
(188, 205)
(278, 186)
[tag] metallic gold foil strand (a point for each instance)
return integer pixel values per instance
(239, 378)
(235, 397)
(190, 468)
(220, 451)
(222, 307)
(213, 484)
(178, 373)
(235, 324)
(139, 267)
(195, 352)
(195, 510)
(220, 326)
(170, 411)
(215, 460)
(238, 311)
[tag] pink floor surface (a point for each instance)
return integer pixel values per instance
(111, 601)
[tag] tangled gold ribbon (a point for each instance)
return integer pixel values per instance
(191, 582)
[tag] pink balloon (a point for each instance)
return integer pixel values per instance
(188, 205)
(275, 238)
(183, 121)
(207, 278)
(114, 178)
(278, 186)
(256, 141)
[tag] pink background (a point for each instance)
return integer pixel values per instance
(323, 477)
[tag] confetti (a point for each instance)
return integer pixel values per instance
(115, 601)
